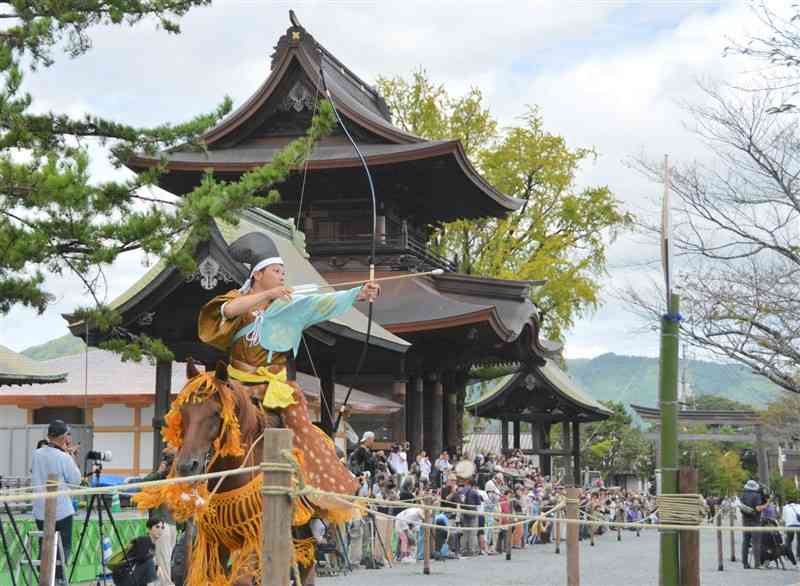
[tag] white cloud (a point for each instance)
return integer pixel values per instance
(606, 74)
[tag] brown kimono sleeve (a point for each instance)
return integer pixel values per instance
(213, 328)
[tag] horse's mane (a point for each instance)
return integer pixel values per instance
(252, 420)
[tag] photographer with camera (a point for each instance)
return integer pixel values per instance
(57, 457)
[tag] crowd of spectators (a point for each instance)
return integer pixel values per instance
(496, 491)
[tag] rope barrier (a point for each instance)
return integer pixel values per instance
(124, 488)
(292, 466)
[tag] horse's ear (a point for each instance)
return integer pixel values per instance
(221, 373)
(191, 368)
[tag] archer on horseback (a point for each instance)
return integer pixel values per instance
(258, 325)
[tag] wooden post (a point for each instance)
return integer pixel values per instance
(277, 522)
(47, 568)
(426, 552)
(573, 551)
(557, 531)
(509, 533)
(161, 406)
(590, 512)
(720, 565)
(732, 519)
(620, 513)
(688, 541)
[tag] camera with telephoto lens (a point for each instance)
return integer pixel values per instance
(98, 456)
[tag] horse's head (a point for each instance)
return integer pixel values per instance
(200, 426)
(212, 419)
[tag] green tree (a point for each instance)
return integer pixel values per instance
(561, 232)
(718, 403)
(720, 471)
(53, 217)
(781, 420)
(615, 445)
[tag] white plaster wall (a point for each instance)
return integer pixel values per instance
(147, 415)
(113, 415)
(120, 444)
(146, 450)
(12, 416)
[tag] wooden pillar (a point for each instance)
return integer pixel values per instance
(566, 442)
(689, 541)
(516, 429)
(504, 435)
(327, 396)
(451, 412)
(161, 406)
(399, 418)
(414, 405)
(291, 368)
(436, 441)
(545, 462)
(576, 453)
(431, 380)
(276, 546)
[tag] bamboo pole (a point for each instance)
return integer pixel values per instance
(668, 403)
(573, 548)
(277, 522)
(47, 570)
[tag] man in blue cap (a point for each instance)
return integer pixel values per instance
(57, 457)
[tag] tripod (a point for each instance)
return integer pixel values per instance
(101, 504)
(7, 548)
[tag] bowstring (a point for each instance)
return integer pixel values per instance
(371, 184)
(322, 400)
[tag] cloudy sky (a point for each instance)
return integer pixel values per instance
(608, 74)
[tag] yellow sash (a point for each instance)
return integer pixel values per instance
(279, 394)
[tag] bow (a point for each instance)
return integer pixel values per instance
(363, 356)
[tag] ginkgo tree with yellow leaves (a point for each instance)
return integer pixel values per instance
(561, 232)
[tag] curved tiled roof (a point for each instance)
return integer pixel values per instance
(18, 369)
(548, 393)
(113, 381)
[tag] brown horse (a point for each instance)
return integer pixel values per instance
(202, 427)
(201, 424)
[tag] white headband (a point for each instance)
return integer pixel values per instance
(273, 260)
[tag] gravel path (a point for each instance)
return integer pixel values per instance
(632, 562)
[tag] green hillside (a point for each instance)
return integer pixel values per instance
(66, 345)
(634, 379)
(609, 377)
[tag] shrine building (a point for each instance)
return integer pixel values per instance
(429, 331)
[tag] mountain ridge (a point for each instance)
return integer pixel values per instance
(608, 377)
